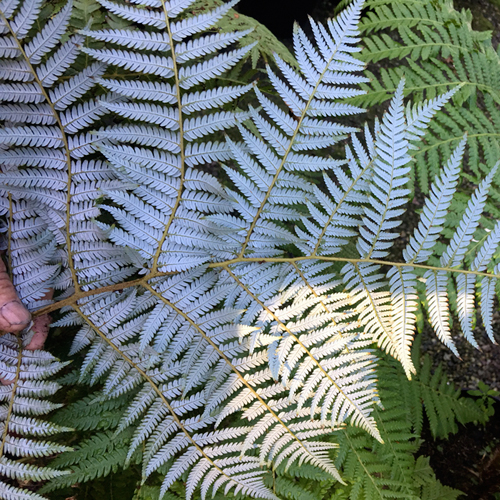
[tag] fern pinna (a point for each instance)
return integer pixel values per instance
(435, 47)
(235, 324)
(43, 145)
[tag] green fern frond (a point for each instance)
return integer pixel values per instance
(437, 47)
(376, 470)
(96, 457)
(433, 395)
(431, 488)
(90, 413)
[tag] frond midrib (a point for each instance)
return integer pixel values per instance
(182, 153)
(410, 48)
(339, 205)
(387, 23)
(437, 144)
(224, 264)
(362, 463)
(285, 156)
(403, 469)
(374, 307)
(10, 408)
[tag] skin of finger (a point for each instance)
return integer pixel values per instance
(40, 326)
(14, 316)
(41, 329)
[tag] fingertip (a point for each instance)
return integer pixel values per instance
(14, 316)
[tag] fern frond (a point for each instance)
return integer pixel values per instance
(420, 246)
(434, 395)
(180, 325)
(95, 457)
(392, 469)
(470, 61)
(42, 157)
(49, 37)
(245, 336)
(455, 252)
(24, 375)
(373, 477)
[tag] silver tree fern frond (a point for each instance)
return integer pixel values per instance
(161, 220)
(195, 302)
(181, 324)
(335, 379)
(48, 193)
(24, 385)
(52, 199)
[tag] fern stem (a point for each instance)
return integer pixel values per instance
(402, 467)
(407, 327)
(64, 139)
(379, 25)
(362, 463)
(283, 260)
(226, 359)
(452, 139)
(391, 162)
(154, 266)
(322, 258)
(389, 91)
(9, 238)
(89, 293)
(380, 320)
(380, 54)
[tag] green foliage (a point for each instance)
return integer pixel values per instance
(393, 469)
(93, 458)
(487, 397)
(435, 47)
(371, 469)
(434, 395)
(90, 413)
(430, 488)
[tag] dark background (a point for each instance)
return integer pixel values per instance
(279, 15)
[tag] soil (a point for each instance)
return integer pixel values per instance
(470, 460)
(474, 365)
